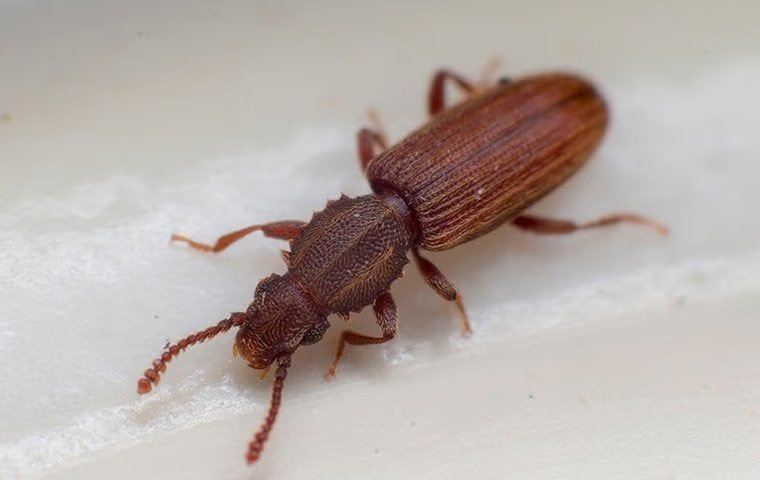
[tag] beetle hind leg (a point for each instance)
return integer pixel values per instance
(550, 226)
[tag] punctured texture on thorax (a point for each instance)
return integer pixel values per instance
(350, 252)
(482, 162)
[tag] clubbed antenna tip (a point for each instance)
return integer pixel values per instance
(152, 375)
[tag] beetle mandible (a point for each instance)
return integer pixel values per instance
(471, 168)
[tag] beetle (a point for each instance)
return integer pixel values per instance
(471, 168)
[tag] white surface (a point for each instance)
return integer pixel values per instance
(609, 354)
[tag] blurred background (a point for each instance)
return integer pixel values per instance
(606, 354)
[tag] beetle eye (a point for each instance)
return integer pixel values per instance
(315, 334)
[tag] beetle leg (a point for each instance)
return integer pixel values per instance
(489, 76)
(370, 143)
(376, 125)
(284, 230)
(387, 320)
(442, 286)
(549, 226)
(437, 92)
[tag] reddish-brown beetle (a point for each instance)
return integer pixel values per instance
(470, 169)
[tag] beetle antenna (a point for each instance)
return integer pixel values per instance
(257, 444)
(153, 375)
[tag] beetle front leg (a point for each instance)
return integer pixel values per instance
(284, 230)
(549, 226)
(438, 282)
(387, 320)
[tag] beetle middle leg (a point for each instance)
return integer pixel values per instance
(443, 287)
(437, 92)
(283, 230)
(549, 226)
(369, 143)
(387, 320)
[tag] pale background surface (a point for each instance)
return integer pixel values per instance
(608, 354)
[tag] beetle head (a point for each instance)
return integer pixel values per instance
(280, 318)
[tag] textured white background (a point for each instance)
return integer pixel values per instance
(607, 354)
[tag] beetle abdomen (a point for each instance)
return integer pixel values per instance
(351, 252)
(482, 162)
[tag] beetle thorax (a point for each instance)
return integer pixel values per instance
(352, 251)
